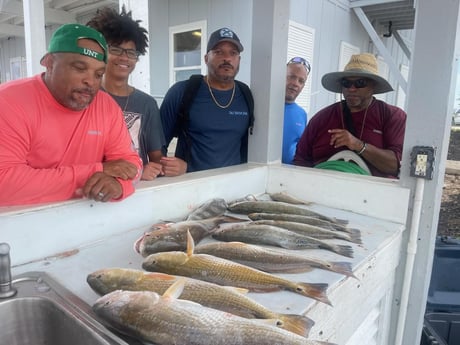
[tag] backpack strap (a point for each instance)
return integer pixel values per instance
(246, 91)
(249, 101)
(182, 122)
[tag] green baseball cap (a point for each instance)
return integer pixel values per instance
(65, 40)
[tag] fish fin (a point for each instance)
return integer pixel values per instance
(344, 268)
(297, 324)
(161, 276)
(242, 291)
(355, 236)
(190, 244)
(175, 290)
(344, 250)
(316, 291)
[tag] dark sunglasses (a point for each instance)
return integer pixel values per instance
(358, 83)
(300, 61)
(118, 51)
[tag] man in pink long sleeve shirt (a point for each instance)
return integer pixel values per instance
(60, 137)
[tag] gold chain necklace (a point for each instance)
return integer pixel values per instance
(214, 98)
(364, 119)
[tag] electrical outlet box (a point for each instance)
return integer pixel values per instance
(422, 162)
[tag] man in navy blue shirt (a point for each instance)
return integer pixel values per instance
(218, 117)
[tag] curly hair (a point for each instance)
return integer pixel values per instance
(120, 27)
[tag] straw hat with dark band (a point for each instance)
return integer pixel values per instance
(360, 65)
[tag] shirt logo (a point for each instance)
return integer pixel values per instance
(94, 132)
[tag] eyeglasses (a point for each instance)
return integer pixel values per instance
(301, 61)
(130, 53)
(358, 83)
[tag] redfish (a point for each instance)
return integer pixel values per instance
(173, 236)
(270, 260)
(276, 236)
(226, 272)
(167, 320)
(246, 207)
(226, 298)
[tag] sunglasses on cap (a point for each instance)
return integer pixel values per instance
(302, 61)
(358, 83)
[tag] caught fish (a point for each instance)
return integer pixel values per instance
(167, 320)
(226, 272)
(174, 235)
(229, 299)
(312, 230)
(285, 197)
(212, 208)
(276, 236)
(246, 207)
(269, 260)
(312, 220)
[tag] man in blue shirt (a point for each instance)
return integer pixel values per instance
(218, 117)
(295, 117)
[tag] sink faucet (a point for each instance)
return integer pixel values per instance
(6, 289)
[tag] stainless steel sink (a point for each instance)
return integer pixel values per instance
(44, 312)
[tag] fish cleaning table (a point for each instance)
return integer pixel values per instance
(72, 239)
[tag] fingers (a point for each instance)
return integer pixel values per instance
(151, 171)
(173, 166)
(102, 187)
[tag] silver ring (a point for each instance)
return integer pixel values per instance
(100, 194)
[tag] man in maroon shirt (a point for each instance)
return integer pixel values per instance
(369, 127)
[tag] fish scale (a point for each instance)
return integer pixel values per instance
(226, 272)
(169, 321)
(225, 298)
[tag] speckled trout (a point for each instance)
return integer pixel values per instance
(286, 197)
(276, 236)
(174, 236)
(212, 208)
(246, 207)
(166, 320)
(302, 219)
(229, 299)
(225, 272)
(313, 230)
(270, 260)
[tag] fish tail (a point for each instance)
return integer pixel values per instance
(342, 268)
(297, 324)
(316, 291)
(355, 236)
(339, 249)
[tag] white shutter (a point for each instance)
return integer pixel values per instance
(346, 51)
(300, 43)
(401, 97)
(384, 72)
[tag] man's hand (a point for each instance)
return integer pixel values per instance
(102, 187)
(342, 137)
(173, 166)
(120, 168)
(151, 171)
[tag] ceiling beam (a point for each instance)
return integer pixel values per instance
(12, 30)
